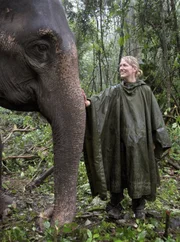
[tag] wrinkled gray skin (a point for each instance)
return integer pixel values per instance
(39, 72)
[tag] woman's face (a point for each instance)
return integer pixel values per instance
(126, 70)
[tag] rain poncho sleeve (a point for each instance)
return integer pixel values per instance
(96, 116)
(160, 136)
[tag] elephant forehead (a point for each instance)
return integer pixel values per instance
(22, 18)
(31, 7)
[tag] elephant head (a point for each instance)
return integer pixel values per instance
(39, 72)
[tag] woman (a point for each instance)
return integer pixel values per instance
(125, 132)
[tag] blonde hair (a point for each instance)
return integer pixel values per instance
(131, 60)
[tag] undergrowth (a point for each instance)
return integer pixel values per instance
(28, 152)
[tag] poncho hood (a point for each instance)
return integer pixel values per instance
(130, 87)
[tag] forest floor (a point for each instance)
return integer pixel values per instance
(28, 152)
(91, 222)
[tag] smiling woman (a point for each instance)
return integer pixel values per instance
(124, 125)
(39, 72)
(129, 69)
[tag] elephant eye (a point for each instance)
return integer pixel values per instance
(40, 51)
(41, 47)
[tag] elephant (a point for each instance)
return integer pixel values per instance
(39, 72)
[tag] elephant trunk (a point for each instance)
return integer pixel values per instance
(68, 144)
(65, 110)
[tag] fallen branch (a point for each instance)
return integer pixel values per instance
(38, 181)
(23, 130)
(26, 157)
(173, 163)
(166, 232)
(15, 129)
(169, 116)
(7, 169)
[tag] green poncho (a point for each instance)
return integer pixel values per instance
(124, 123)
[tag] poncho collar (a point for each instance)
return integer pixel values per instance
(130, 87)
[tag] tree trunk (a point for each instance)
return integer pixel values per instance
(165, 60)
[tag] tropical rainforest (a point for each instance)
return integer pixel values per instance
(104, 31)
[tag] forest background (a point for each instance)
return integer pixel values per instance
(104, 30)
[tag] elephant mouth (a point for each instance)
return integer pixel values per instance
(22, 98)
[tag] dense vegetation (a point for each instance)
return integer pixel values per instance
(104, 32)
(28, 153)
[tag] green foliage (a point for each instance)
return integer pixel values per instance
(27, 142)
(22, 226)
(175, 137)
(107, 30)
(104, 31)
(91, 223)
(155, 21)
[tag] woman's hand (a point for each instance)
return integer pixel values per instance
(87, 102)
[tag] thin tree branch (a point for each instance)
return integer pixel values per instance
(26, 157)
